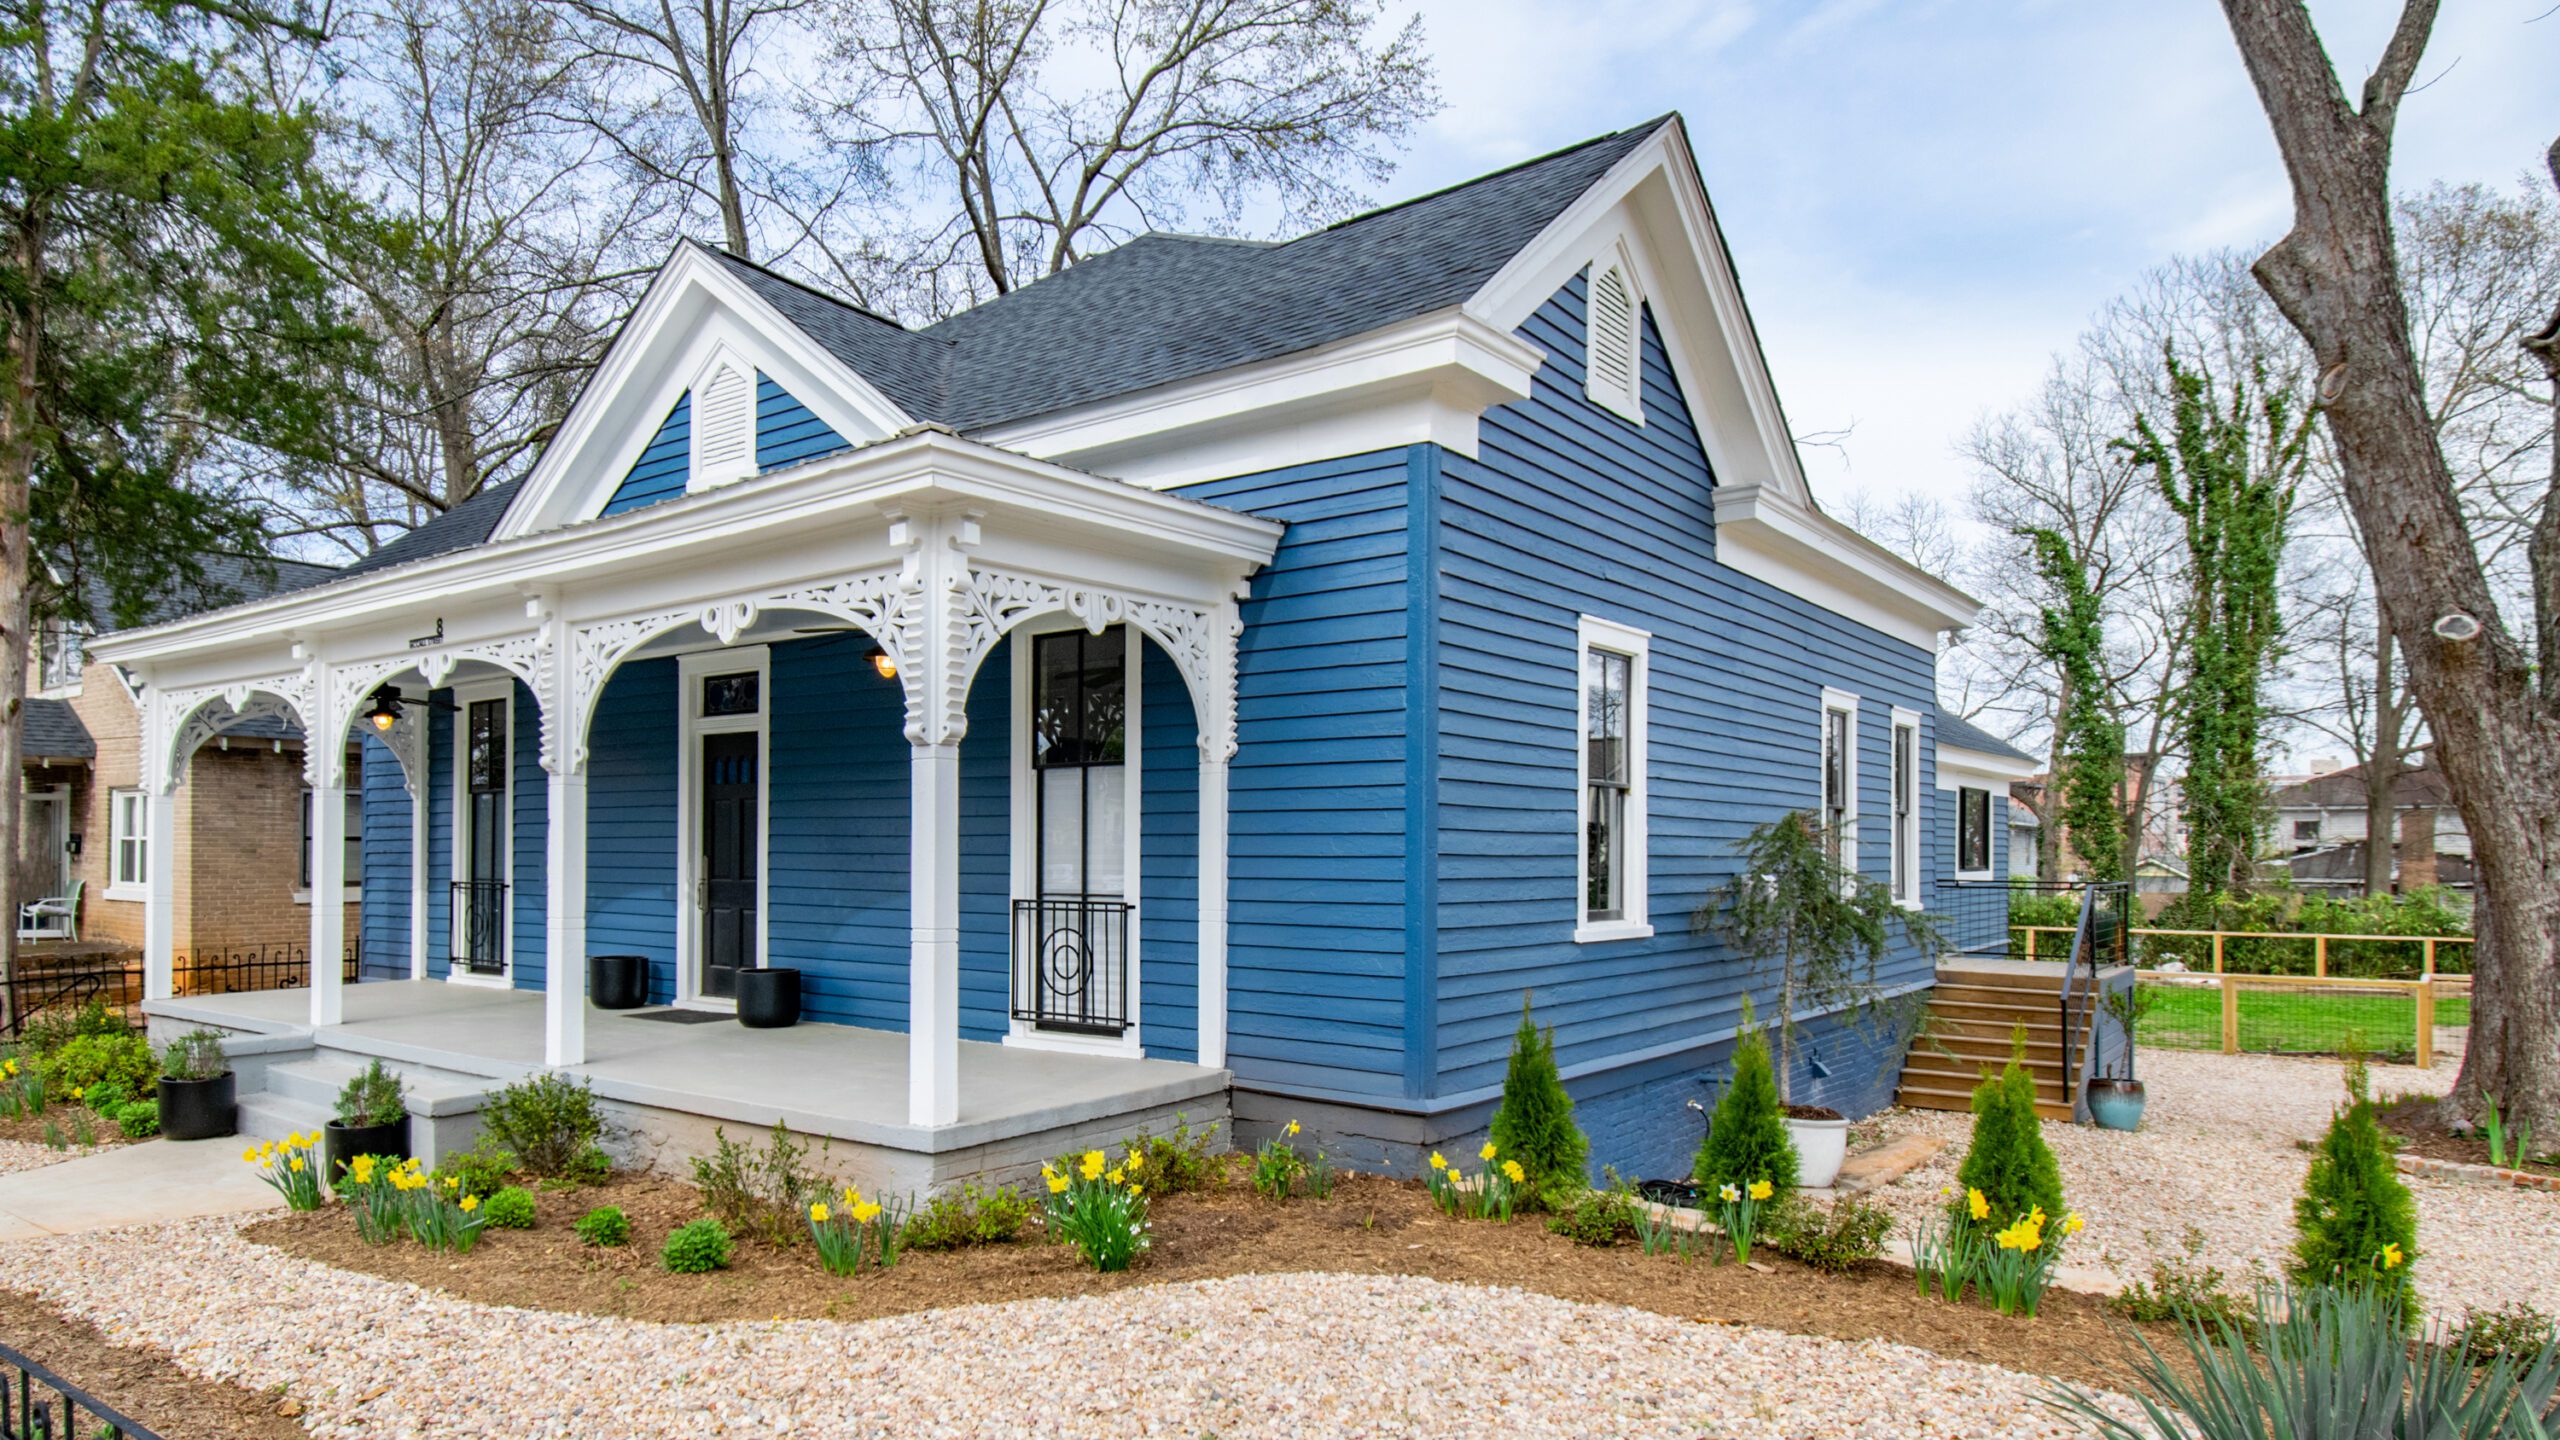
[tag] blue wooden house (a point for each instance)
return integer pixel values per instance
(1221, 679)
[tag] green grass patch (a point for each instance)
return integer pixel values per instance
(2299, 1020)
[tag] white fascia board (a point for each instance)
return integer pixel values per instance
(1804, 552)
(915, 472)
(1959, 769)
(1426, 380)
(656, 355)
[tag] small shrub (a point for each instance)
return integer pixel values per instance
(2516, 1333)
(1183, 1161)
(550, 1121)
(48, 1031)
(697, 1248)
(483, 1170)
(1534, 1122)
(2184, 1288)
(605, 1227)
(973, 1215)
(85, 1060)
(2355, 1225)
(764, 1195)
(511, 1208)
(2008, 1160)
(590, 1166)
(1595, 1217)
(196, 1055)
(139, 1120)
(107, 1096)
(1834, 1241)
(1747, 1135)
(374, 1096)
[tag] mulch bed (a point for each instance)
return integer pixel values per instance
(2419, 1123)
(1369, 1226)
(145, 1384)
(29, 1129)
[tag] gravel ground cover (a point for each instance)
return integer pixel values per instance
(2218, 1151)
(1257, 1355)
(17, 1155)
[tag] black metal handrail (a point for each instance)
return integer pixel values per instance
(1071, 964)
(26, 1412)
(2097, 941)
(480, 926)
(75, 989)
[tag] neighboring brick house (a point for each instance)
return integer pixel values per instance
(2318, 828)
(241, 815)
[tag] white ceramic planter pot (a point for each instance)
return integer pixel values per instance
(1820, 1147)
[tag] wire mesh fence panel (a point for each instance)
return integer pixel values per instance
(2307, 1015)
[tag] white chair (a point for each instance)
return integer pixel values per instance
(53, 918)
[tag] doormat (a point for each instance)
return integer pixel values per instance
(682, 1017)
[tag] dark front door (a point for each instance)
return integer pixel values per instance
(480, 944)
(729, 860)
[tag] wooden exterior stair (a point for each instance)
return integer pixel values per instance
(1975, 1016)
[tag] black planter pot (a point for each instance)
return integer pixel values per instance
(346, 1142)
(768, 999)
(199, 1109)
(617, 982)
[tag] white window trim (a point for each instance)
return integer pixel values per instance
(353, 888)
(1990, 844)
(1630, 402)
(1592, 633)
(1843, 701)
(691, 726)
(1026, 822)
(118, 888)
(464, 694)
(1908, 854)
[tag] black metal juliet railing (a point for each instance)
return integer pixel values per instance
(480, 926)
(1978, 918)
(36, 1404)
(1071, 964)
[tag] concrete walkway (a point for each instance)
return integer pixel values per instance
(132, 1185)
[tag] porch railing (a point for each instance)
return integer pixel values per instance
(29, 1407)
(1071, 964)
(480, 926)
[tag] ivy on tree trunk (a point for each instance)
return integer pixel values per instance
(2088, 751)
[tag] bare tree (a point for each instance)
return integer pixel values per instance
(2336, 276)
(1044, 130)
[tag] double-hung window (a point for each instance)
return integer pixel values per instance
(1839, 815)
(353, 875)
(1906, 807)
(128, 841)
(1973, 831)
(1612, 675)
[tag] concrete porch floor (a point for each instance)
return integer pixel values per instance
(837, 1081)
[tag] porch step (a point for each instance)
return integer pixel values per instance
(1979, 1015)
(273, 1117)
(1926, 1097)
(318, 1081)
(302, 1095)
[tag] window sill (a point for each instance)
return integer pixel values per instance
(1590, 931)
(134, 894)
(1976, 875)
(353, 893)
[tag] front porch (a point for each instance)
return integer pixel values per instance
(666, 1083)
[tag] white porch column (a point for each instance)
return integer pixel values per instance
(160, 895)
(564, 977)
(933, 922)
(324, 767)
(1213, 908)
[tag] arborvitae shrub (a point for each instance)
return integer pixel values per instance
(2008, 1160)
(2353, 1214)
(1747, 1136)
(1534, 1123)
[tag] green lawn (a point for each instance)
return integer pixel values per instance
(2307, 1021)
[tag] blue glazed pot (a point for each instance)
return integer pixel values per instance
(2116, 1104)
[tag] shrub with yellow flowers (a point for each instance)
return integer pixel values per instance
(1738, 1213)
(849, 1227)
(21, 1090)
(1098, 1207)
(1492, 1195)
(291, 1167)
(381, 1208)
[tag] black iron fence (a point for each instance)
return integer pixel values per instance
(480, 926)
(1997, 918)
(1071, 964)
(45, 984)
(43, 1406)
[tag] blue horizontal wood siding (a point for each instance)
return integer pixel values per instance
(1973, 926)
(1316, 882)
(837, 876)
(440, 724)
(986, 850)
(383, 918)
(1168, 862)
(786, 433)
(659, 473)
(631, 821)
(527, 894)
(1570, 510)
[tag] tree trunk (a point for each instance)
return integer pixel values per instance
(17, 469)
(2381, 771)
(2335, 276)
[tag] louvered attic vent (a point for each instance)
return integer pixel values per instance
(1612, 343)
(724, 426)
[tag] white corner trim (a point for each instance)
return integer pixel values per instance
(1426, 380)
(1806, 553)
(1633, 922)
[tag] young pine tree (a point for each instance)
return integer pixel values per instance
(2008, 1160)
(1747, 1135)
(1534, 1123)
(2355, 1225)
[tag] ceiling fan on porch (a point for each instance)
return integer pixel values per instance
(387, 704)
(880, 659)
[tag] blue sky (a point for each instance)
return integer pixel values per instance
(1927, 199)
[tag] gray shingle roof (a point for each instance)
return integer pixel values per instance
(228, 580)
(459, 528)
(51, 730)
(1955, 732)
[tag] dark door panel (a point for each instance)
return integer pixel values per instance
(729, 861)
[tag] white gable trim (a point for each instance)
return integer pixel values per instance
(694, 306)
(1981, 769)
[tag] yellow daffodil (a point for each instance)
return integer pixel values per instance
(1762, 1190)
(865, 1213)
(1511, 1169)
(453, 1182)
(249, 1156)
(1092, 1166)
(1487, 1153)
(1979, 1204)
(1137, 1160)
(1137, 1189)
(79, 1090)
(1439, 1161)
(1057, 1185)
(1293, 1129)
(297, 1164)
(2071, 1223)
(2392, 1257)
(1730, 1194)
(854, 1197)
(470, 1203)
(818, 1213)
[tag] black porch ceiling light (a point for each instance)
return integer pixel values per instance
(385, 710)
(881, 661)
